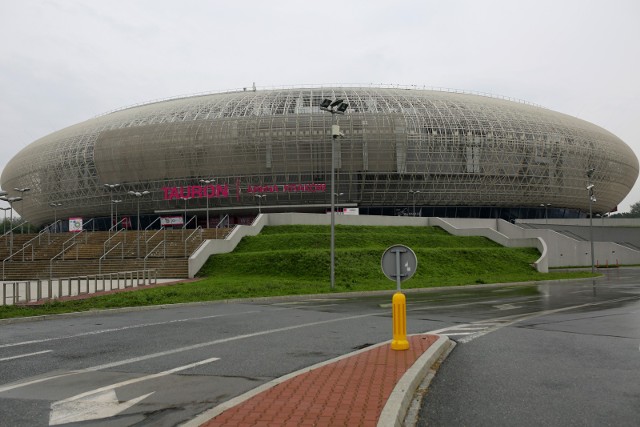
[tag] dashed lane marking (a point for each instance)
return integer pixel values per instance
(123, 328)
(25, 355)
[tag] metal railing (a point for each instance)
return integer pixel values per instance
(197, 233)
(23, 250)
(104, 256)
(164, 253)
(193, 219)
(108, 241)
(115, 226)
(53, 226)
(164, 242)
(22, 292)
(154, 221)
(66, 245)
(223, 223)
(8, 236)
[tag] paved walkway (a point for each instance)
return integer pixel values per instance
(365, 388)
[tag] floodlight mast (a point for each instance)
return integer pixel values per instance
(138, 195)
(592, 198)
(334, 107)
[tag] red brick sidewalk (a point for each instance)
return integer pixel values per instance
(349, 392)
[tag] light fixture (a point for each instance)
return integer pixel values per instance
(592, 198)
(334, 107)
(260, 197)
(207, 182)
(138, 195)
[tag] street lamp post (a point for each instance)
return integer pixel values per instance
(111, 188)
(260, 197)
(4, 222)
(115, 205)
(337, 195)
(138, 196)
(334, 107)
(55, 206)
(592, 198)
(3, 196)
(186, 199)
(207, 182)
(546, 216)
(22, 191)
(413, 193)
(11, 201)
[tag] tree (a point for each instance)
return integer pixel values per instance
(634, 212)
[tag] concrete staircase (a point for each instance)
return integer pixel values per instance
(76, 254)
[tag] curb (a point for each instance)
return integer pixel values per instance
(395, 410)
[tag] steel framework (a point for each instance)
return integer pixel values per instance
(402, 147)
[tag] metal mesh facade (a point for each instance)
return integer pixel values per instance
(456, 149)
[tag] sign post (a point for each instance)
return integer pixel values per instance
(399, 263)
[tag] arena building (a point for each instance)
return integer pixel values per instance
(405, 151)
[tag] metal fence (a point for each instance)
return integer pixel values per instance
(30, 291)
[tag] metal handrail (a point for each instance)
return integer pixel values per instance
(11, 230)
(37, 236)
(117, 224)
(104, 245)
(53, 225)
(107, 253)
(149, 226)
(184, 227)
(73, 241)
(164, 253)
(17, 252)
(146, 241)
(23, 250)
(64, 249)
(221, 223)
(186, 241)
(92, 222)
(73, 238)
(9, 240)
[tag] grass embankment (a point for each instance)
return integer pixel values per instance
(293, 260)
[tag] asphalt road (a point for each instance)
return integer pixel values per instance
(573, 367)
(164, 366)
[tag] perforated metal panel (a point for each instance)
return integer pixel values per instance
(457, 149)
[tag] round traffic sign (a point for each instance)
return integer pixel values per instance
(399, 263)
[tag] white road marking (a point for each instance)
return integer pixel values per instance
(291, 303)
(459, 333)
(79, 408)
(187, 348)
(123, 328)
(25, 355)
(506, 307)
(102, 405)
(491, 325)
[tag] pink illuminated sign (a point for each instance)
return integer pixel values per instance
(222, 191)
(288, 188)
(196, 192)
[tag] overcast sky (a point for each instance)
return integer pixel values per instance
(65, 61)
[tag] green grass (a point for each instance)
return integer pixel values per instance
(295, 260)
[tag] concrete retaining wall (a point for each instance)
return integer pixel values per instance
(565, 251)
(584, 222)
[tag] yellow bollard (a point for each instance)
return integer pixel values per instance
(399, 307)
